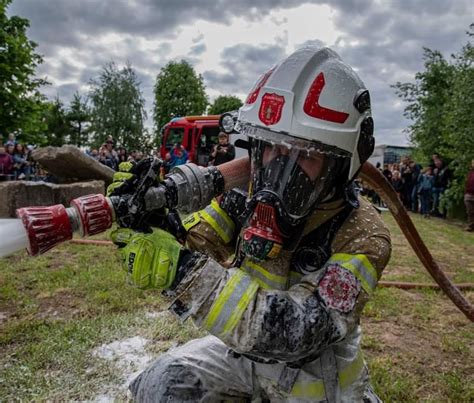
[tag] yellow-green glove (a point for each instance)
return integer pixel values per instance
(150, 259)
(121, 177)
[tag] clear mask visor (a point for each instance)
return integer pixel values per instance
(301, 173)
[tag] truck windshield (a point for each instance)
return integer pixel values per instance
(209, 136)
(175, 135)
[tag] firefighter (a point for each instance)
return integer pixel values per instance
(278, 275)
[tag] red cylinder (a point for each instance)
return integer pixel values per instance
(46, 227)
(95, 214)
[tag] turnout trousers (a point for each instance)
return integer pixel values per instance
(206, 370)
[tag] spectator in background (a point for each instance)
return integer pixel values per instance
(178, 156)
(223, 151)
(441, 181)
(406, 175)
(111, 153)
(20, 163)
(397, 183)
(94, 154)
(11, 140)
(122, 155)
(107, 155)
(6, 165)
(387, 172)
(469, 198)
(9, 148)
(132, 156)
(425, 190)
(434, 157)
(415, 175)
(138, 156)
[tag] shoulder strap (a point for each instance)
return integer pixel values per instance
(315, 248)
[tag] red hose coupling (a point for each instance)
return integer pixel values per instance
(95, 214)
(46, 227)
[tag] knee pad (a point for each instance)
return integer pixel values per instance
(168, 378)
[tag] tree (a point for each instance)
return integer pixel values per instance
(426, 98)
(441, 107)
(78, 117)
(21, 104)
(225, 103)
(57, 126)
(117, 106)
(179, 91)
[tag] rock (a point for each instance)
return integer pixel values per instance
(68, 162)
(18, 194)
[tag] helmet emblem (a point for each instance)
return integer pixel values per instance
(315, 110)
(270, 108)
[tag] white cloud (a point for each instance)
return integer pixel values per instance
(381, 39)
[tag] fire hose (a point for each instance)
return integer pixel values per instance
(375, 179)
(189, 188)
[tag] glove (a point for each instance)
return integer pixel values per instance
(121, 178)
(150, 259)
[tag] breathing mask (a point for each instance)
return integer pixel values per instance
(289, 178)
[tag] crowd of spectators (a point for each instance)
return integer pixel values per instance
(419, 188)
(15, 161)
(108, 155)
(16, 164)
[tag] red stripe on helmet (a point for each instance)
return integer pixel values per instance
(252, 97)
(312, 107)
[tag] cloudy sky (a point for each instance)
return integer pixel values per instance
(231, 42)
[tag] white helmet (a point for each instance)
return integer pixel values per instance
(313, 96)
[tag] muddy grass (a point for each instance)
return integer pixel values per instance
(72, 328)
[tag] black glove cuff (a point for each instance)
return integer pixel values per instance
(187, 260)
(233, 202)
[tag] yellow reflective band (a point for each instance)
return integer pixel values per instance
(218, 219)
(230, 305)
(190, 221)
(270, 280)
(316, 390)
(360, 267)
(242, 305)
(350, 373)
(222, 213)
(222, 298)
(312, 390)
(261, 283)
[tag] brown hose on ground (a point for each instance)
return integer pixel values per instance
(374, 178)
(395, 284)
(409, 286)
(92, 242)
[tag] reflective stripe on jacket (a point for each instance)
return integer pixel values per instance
(253, 311)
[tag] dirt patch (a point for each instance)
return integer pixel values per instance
(418, 344)
(61, 305)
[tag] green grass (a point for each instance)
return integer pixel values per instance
(418, 345)
(57, 308)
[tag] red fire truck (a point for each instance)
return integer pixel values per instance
(198, 134)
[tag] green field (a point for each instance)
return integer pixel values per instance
(58, 309)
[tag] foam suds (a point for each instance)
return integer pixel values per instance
(13, 237)
(130, 357)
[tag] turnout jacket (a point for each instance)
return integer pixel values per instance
(287, 316)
